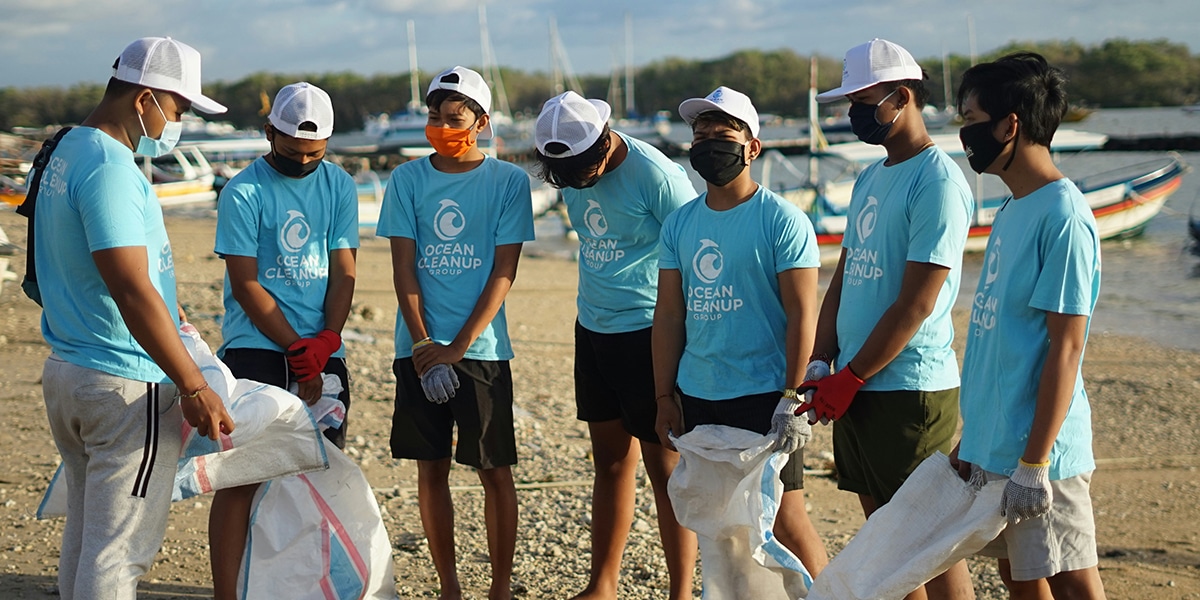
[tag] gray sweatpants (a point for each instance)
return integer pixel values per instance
(120, 442)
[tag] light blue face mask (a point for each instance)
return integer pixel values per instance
(148, 146)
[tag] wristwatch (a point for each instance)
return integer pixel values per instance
(790, 393)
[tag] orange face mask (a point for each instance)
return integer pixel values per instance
(448, 142)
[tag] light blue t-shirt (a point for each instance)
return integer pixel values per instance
(916, 211)
(457, 220)
(290, 226)
(1043, 256)
(729, 262)
(618, 221)
(93, 197)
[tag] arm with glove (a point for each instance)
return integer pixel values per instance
(308, 356)
(798, 290)
(1028, 494)
(919, 290)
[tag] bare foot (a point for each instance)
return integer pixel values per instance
(591, 593)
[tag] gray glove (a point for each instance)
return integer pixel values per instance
(1028, 494)
(439, 383)
(791, 431)
(817, 369)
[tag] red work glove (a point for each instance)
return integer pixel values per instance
(307, 356)
(832, 395)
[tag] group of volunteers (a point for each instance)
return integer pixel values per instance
(692, 310)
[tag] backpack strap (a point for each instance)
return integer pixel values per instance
(28, 208)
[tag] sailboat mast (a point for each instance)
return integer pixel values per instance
(946, 88)
(491, 70)
(630, 110)
(555, 62)
(414, 75)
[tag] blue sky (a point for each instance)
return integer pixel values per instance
(60, 42)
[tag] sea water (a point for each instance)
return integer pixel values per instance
(1150, 284)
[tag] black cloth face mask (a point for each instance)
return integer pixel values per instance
(866, 126)
(293, 168)
(718, 161)
(981, 146)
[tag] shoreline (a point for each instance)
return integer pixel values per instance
(1145, 400)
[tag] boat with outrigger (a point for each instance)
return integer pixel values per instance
(1123, 200)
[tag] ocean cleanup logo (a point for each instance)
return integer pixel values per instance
(166, 260)
(708, 262)
(449, 220)
(993, 263)
(865, 223)
(594, 219)
(295, 231)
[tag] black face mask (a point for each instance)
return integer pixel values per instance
(866, 126)
(293, 168)
(718, 161)
(981, 146)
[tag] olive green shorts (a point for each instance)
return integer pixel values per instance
(884, 436)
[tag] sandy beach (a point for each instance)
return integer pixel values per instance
(1145, 401)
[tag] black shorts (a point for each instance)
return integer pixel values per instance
(747, 412)
(482, 407)
(271, 367)
(614, 379)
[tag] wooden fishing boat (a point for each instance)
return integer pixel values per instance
(1123, 200)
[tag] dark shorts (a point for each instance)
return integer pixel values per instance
(271, 367)
(747, 412)
(884, 436)
(482, 407)
(614, 379)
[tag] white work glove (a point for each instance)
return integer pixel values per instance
(817, 369)
(439, 383)
(791, 431)
(1027, 494)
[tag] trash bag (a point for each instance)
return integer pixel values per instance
(275, 434)
(934, 520)
(318, 536)
(726, 488)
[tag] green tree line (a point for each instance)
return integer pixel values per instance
(1116, 73)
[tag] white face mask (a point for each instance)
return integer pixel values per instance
(148, 146)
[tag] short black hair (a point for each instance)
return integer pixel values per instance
(572, 171)
(918, 88)
(438, 97)
(717, 117)
(117, 88)
(1023, 84)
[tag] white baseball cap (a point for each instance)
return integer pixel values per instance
(874, 62)
(571, 120)
(468, 83)
(168, 65)
(300, 103)
(722, 99)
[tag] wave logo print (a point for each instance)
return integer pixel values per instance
(449, 220)
(865, 223)
(295, 231)
(708, 261)
(594, 219)
(993, 263)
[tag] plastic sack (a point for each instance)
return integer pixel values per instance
(726, 488)
(275, 434)
(318, 536)
(935, 520)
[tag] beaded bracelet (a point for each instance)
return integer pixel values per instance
(194, 394)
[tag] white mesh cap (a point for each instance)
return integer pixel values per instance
(300, 103)
(468, 83)
(572, 121)
(168, 65)
(726, 100)
(874, 62)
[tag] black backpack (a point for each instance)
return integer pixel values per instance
(28, 208)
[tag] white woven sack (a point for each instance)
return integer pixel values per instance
(934, 520)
